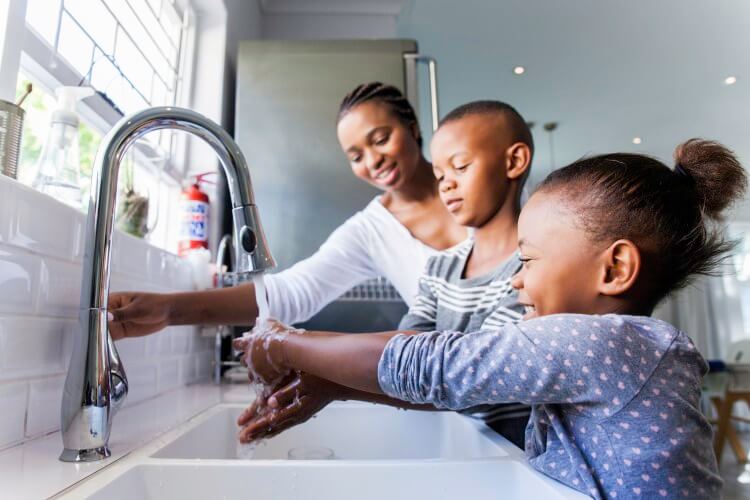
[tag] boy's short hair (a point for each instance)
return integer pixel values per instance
(518, 127)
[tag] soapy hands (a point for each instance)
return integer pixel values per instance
(263, 349)
(293, 401)
(288, 397)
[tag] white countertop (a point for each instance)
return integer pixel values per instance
(32, 470)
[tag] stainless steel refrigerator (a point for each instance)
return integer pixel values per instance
(288, 94)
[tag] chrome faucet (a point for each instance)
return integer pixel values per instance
(96, 384)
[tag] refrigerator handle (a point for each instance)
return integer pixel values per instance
(432, 71)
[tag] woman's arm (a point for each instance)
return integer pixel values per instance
(294, 294)
(134, 314)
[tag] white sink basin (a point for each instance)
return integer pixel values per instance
(353, 431)
(478, 480)
(379, 452)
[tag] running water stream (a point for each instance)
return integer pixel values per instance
(245, 451)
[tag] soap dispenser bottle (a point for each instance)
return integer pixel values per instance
(58, 169)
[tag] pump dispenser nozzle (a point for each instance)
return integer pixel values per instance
(58, 170)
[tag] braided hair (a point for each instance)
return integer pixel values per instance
(387, 95)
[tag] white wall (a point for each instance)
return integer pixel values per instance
(41, 247)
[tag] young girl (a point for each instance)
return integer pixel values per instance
(614, 392)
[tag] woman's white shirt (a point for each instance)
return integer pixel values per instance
(369, 244)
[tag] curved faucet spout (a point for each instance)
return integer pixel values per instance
(96, 384)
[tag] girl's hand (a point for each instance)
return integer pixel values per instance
(289, 405)
(264, 352)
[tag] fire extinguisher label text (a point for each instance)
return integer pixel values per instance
(194, 220)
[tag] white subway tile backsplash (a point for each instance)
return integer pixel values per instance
(131, 350)
(129, 255)
(60, 288)
(182, 339)
(164, 342)
(187, 370)
(6, 207)
(142, 381)
(43, 224)
(203, 364)
(31, 347)
(169, 374)
(183, 279)
(19, 280)
(13, 398)
(41, 254)
(45, 399)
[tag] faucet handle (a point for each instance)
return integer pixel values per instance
(118, 380)
(252, 252)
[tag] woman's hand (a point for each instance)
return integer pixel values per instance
(263, 350)
(293, 402)
(134, 314)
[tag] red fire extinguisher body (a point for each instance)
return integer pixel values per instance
(193, 218)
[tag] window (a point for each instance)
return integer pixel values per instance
(132, 52)
(129, 50)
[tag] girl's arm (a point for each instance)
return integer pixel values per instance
(558, 359)
(350, 360)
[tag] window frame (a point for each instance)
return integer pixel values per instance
(31, 54)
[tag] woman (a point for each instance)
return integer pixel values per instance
(392, 237)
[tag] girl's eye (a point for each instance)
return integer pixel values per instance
(355, 159)
(525, 261)
(461, 168)
(381, 141)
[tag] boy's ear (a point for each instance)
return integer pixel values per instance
(519, 158)
(622, 265)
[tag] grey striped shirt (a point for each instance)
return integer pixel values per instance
(446, 302)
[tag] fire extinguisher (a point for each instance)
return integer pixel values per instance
(194, 216)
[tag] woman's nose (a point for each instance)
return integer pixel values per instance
(373, 160)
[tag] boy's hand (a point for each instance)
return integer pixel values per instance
(135, 314)
(263, 352)
(293, 402)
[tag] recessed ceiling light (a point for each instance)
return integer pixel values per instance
(519, 70)
(637, 140)
(730, 80)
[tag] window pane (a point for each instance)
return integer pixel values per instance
(103, 74)
(42, 16)
(159, 94)
(75, 46)
(172, 22)
(96, 20)
(133, 64)
(38, 106)
(155, 29)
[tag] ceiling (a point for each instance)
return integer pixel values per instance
(606, 71)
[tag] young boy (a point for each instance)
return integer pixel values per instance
(481, 156)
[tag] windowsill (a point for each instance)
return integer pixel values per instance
(47, 211)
